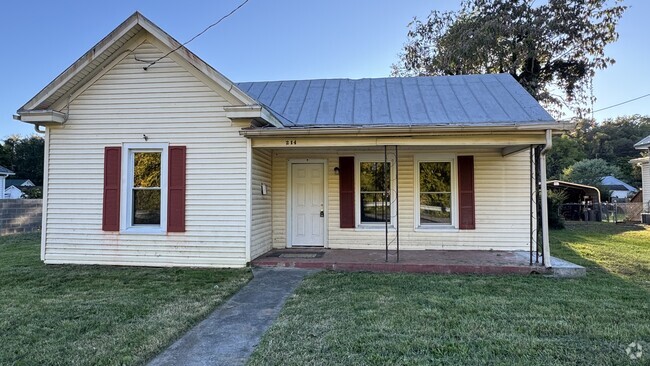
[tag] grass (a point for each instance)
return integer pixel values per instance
(411, 319)
(98, 315)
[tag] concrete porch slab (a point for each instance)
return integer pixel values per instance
(417, 261)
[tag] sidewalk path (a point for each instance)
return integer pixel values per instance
(229, 335)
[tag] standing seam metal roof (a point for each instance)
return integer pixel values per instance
(400, 101)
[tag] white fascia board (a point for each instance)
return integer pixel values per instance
(42, 117)
(257, 112)
(557, 128)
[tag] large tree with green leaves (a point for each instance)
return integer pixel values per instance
(552, 48)
(590, 171)
(611, 140)
(24, 156)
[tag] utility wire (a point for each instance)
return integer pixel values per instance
(198, 35)
(621, 103)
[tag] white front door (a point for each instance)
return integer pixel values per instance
(307, 204)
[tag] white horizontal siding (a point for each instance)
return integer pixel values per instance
(645, 176)
(261, 220)
(502, 203)
(168, 104)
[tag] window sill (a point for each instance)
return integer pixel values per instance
(437, 229)
(367, 227)
(143, 231)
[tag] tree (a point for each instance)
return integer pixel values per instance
(24, 156)
(590, 171)
(566, 151)
(554, 46)
(613, 141)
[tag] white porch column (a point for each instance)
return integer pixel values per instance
(544, 197)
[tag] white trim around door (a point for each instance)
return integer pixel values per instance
(290, 200)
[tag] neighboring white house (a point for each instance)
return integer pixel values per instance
(618, 190)
(644, 163)
(172, 164)
(4, 173)
(15, 188)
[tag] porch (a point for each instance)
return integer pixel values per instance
(418, 261)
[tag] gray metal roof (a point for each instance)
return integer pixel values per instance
(5, 171)
(614, 183)
(426, 100)
(645, 143)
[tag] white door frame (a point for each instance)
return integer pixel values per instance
(289, 197)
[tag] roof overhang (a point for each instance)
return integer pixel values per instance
(561, 183)
(255, 112)
(42, 117)
(556, 127)
(640, 160)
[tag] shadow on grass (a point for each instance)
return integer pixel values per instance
(618, 250)
(403, 319)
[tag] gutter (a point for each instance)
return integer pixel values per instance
(390, 130)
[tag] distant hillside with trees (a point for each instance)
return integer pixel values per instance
(610, 141)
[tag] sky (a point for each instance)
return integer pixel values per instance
(268, 40)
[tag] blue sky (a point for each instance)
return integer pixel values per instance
(267, 40)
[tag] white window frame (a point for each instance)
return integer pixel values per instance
(372, 158)
(126, 185)
(436, 158)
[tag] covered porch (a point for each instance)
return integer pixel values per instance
(418, 261)
(504, 179)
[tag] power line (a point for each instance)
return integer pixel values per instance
(198, 35)
(621, 103)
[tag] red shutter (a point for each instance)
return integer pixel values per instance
(346, 191)
(466, 193)
(176, 190)
(112, 172)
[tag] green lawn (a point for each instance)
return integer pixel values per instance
(94, 315)
(411, 319)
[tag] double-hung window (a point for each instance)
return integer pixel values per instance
(436, 204)
(144, 187)
(374, 193)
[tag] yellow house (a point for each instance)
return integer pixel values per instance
(175, 165)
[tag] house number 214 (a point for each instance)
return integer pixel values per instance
(290, 142)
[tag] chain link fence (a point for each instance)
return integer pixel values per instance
(605, 212)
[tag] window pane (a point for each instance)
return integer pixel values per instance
(146, 207)
(146, 169)
(435, 177)
(372, 176)
(435, 208)
(372, 208)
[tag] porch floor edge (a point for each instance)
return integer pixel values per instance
(417, 261)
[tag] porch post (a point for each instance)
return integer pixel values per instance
(386, 191)
(249, 197)
(532, 200)
(546, 259)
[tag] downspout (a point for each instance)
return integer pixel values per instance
(542, 161)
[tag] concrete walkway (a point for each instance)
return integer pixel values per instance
(229, 335)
